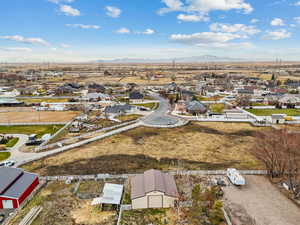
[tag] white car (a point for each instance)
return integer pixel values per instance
(235, 177)
(7, 163)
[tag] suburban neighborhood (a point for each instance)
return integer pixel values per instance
(161, 112)
(181, 151)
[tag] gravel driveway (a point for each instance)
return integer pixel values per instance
(262, 202)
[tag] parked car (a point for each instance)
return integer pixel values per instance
(7, 163)
(235, 177)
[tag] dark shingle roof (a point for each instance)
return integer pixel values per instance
(196, 106)
(136, 95)
(117, 108)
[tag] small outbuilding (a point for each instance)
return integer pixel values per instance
(111, 196)
(153, 189)
(278, 118)
(15, 186)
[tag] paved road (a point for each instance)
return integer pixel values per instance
(22, 158)
(159, 116)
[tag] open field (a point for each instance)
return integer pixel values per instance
(4, 156)
(61, 206)
(261, 201)
(34, 116)
(40, 130)
(195, 146)
(269, 112)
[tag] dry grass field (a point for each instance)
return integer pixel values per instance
(34, 116)
(195, 146)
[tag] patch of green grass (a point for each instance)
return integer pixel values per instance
(40, 130)
(269, 112)
(217, 108)
(126, 118)
(4, 156)
(11, 143)
(152, 105)
(214, 98)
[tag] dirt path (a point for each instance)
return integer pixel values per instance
(263, 202)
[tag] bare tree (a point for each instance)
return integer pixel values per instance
(279, 150)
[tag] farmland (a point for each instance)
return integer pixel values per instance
(36, 116)
(195, 146)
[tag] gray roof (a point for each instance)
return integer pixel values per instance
(8, 176)
(153, 180)
(15, 181)
(196, 106)
(118, 108)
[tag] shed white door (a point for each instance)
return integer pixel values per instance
(155, 201)
(7, 204)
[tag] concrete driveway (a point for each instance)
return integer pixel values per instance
(263, 202)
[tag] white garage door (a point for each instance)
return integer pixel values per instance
(155, 201)
(7, 204)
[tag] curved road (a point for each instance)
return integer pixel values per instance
(159, 116)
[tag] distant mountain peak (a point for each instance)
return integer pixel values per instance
(192, 59)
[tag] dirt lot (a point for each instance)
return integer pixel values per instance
(195, 146)
(262, 202)
(62, 207)
(34, 116)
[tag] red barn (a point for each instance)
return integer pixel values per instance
(15, 186)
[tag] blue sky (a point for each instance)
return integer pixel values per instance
(85, 30)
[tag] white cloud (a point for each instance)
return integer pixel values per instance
(146, 32)
(234, 28)
(205, 38)
(113, 12)
(17, 49)
(277, 34)
(205, 6)
(84, 26)
(297, 3)
(22, 39)
(69, 10)
(123, 30)
(172, 5)
(254, 21)
(192, 18)
(297, 19)
(277, 22)
(60, 1)
(238, 45)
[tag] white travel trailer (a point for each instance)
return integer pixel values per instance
(235, 177)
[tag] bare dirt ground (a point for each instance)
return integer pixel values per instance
(263, 202)
(34, 116)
